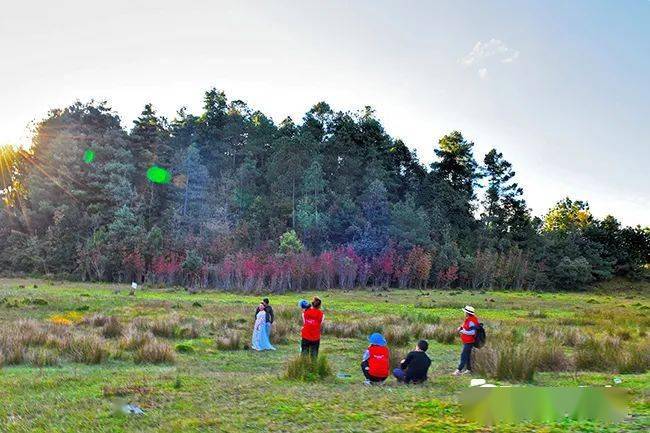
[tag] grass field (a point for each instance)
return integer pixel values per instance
(76, 350)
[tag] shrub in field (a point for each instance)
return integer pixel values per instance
(505, 360)
(397, 335)
(88, 349)
(97, 320)
(444, 334)
(31, 332)
(184, 348)
(190, 329)
(230, 341)
(112, 328)
(155, 352)
(280, 331)
(308, 369)
(598, 354)
(636, 359)
(342, 329)
(12, 349)
(537, 314)
(135, 339)
(549, 356)
(41, 357)
(395, 358)
(164, 327)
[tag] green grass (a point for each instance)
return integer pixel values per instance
(208, 388)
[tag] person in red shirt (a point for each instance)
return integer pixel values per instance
(376, 360)
(467, 335)
(312, 318)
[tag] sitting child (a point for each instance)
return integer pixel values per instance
(414, 368)
(376, 360)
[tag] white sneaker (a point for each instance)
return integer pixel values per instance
(367, 382)
(456, 373)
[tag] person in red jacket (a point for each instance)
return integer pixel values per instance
(467, 335)
(376, 360)
(312, 318)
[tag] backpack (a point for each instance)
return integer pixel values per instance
(480, 337)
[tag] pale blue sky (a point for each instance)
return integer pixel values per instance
(561, 88)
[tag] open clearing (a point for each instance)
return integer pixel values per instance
(202, 384)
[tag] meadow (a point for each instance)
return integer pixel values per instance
(72, 353)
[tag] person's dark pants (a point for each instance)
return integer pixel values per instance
(466, 357)
(399, 374)
(364, 366)
(308, 347)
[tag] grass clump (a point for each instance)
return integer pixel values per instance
(308, 369)
(112, 328)
(397, 336)
(88, 349)
(505, 361)
(155, 352)
(230, 341)
(184, 348)
(135, 339)
(442, 334)
(42, 357)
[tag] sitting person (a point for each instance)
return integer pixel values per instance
(376, 360)
(414, 368)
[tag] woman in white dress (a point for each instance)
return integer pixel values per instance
(260, 339)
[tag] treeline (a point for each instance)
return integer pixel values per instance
(331, 201)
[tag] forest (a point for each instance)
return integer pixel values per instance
(229, 199)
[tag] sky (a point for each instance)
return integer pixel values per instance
(560, 88)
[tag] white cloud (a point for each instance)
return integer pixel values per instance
(489, 52)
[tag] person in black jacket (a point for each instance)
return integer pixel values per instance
(414, 368)
(269, 314)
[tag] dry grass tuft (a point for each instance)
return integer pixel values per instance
(230, 341)
(155, 352)
(112, 328)
(88, 349)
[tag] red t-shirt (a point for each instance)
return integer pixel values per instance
(312, 318)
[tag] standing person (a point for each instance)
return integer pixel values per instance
(376, 360)
(312, 318)
(414, 368)
(260, 340)
(269, 315)
(468, 336)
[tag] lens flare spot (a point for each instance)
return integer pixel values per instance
(159, 175)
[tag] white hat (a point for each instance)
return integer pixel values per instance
(469, 310)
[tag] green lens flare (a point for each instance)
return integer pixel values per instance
(159, 175)
(89, 156)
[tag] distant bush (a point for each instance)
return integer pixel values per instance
(308, 369)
